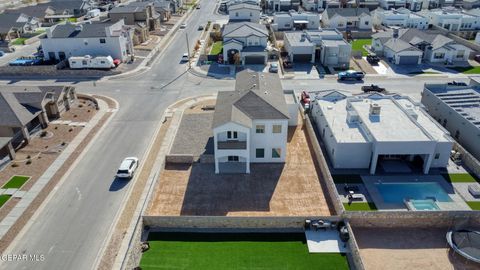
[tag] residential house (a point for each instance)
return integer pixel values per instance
(401, 17)
(15, 24)
(314, 5)
(363, 131)
(414, 5)
(451, 19)
(225, 5)
(457, 108)
(389, 4)
(470, 4)
(244, 12)
(250, 124)
(24, 110)
(245, 43)
(325, 46)
(347, 18)
(370, 4)
(54, 11)
(283, 5)
(137, 13)
(96, 39)
(412, 46)
(433, 4)
(294, 20)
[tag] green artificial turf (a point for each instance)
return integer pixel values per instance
(216, 48)
(360, 206)
(357, 45)
(474, 205)
(19, 41)
(460, 178)
(4, 198)
(467, 70)
(16, 181)
(347, 179)
(235, 251)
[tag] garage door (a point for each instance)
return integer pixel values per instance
(302, 58)
(408, 60)
(255, 60)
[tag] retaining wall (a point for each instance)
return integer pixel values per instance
(184, 159)
(51, 70)
(468, 159)
(354, 258)
(134, 255)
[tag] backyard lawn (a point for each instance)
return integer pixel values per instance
(467, 70)
(235, 251)
(216, 48)
(357, 45)
(16, 181)
(360, 206)
(459, 178)
(347, 179)
(4, 198)
(474, 205)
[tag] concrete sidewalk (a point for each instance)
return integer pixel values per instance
(32, 193)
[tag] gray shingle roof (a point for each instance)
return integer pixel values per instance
(244, 6)
(398, 45)
(244, 29)
(257, 95)
(346, 12)
(86, 30)
(9, 21)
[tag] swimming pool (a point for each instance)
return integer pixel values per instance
(397, 192)
(423, 205)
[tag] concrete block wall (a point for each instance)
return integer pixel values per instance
(468, 159)
(354, 258)
(184, 159)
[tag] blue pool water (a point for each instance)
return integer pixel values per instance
(424, 205)
(397, 192)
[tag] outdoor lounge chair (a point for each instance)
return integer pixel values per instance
(349, 188)
(474, 190)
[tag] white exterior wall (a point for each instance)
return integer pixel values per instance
(269, 140)
(365, 23)
(283, 22)
(221, 155)
(245, 15)
(377, 46)
(450, 55)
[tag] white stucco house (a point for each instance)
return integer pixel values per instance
(389, 4)
(246, 42)
(314, 5)
(347, 18)
(282, 5)
(244, 12)
(362, 132)
(451, 19)
(413, 46)
(294, 20)
(324, 46)
(250, 124)
(96, 39)
(401, 17)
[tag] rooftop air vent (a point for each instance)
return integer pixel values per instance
(375, 109)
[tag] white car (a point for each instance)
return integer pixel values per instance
(185, 57)
(128, 167)
(183, 26)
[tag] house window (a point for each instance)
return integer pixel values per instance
(251, 14)
(439, 55)
(260, 129)
(102, 40)
(366, 23)
(259, 153)
(232, 135)
(437, 155)
(232, 158)
(276, 152)
(277, 129)
(460, 54)
(236, 14)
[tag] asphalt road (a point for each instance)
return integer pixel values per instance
(72, 227)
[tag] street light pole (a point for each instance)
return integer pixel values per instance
(188, 51)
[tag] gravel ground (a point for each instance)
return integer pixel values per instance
(192, 137)
(20, 223)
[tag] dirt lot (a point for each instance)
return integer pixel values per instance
(408, 249)
(290, 189)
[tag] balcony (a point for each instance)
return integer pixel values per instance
(226, 145)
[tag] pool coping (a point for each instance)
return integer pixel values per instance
(457, 202)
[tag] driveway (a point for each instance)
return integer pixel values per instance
(25, 50)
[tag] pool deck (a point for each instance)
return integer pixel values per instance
(325, 241)
(457, 202)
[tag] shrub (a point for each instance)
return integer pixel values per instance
(70, 129)
(14, 165)
(43, 133)
(29, 161)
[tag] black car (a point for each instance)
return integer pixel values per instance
(200, 28)
(372, 88)
(373, 59)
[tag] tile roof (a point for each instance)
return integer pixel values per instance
(257, 95)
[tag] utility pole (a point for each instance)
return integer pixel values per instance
(188, 51)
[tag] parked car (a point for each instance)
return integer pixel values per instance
(198, 6)
(477, 58)
(372, 88)
(128, 167)
(287, 64)
(305, 97)
(200, 28)
(373, 59)
(2, 53)
(183, 26)
(457, 83)
(273, 68)
(26, 61)
(185, 57)
(351, 75)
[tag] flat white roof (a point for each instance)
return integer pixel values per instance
(396, 122)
